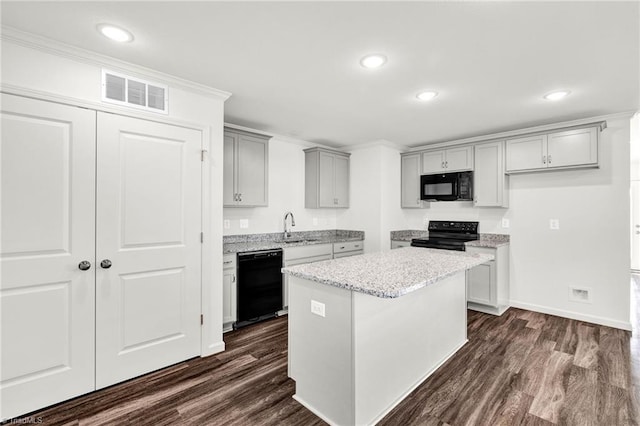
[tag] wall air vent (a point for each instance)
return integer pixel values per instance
(132, 92)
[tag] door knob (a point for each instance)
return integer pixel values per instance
(105, 264)
(84, 265)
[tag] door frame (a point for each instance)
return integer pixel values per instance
(210, 328)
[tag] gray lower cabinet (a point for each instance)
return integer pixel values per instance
(326, 178)
(488, 284)
(298, 256)
(410, 181)
(246, 169)
(399, 244)
(229, 291)
(490, 183)
(350, 248)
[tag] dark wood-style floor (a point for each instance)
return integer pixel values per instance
(522, 368)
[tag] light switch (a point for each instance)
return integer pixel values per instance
(227, 224)
(244, 223)
(505, 223)
(317, 308)
(554, 224)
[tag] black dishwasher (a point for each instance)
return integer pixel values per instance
(259, 285)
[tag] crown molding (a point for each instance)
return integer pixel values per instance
(88, 57)
(374, 144)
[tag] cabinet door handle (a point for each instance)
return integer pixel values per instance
(544, 159)
(233, 279)
(227, 262)
(85, 265)
(446, 164)
(549, 159)
(235, 197)
(240, 197)
(442, 165)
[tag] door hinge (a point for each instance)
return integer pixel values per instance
(201, 319)
(202, 154)
(202, 237)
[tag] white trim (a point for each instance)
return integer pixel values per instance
(520, 132)
(97, 106)
(215, 348)
(277, 136)
(57, 48)
(572, 315)
(376, 143)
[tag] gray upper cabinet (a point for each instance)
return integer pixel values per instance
(326, 178)
(410, 181)
(490, 184)
(565, 149)
(447, 160)
(246, 159)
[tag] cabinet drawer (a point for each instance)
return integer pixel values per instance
(348, 246)
(399, 244)
(229, 261)
(302, 252)
(347, 254)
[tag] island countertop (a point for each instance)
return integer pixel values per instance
(389, 274)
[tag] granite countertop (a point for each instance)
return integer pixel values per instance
(408, 235)
(389, 274)
(489, 241)
(253, 242)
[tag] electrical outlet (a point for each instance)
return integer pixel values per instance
(554, 224)
(580, 294)
(227, 224)
(505, 222)
(244, 223)
(317, 308)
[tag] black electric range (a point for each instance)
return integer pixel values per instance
(448, 235)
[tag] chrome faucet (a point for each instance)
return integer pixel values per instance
(287, 231)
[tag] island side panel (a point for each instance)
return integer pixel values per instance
(320, 350)
(399, 342)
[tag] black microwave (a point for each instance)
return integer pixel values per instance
(447, 187)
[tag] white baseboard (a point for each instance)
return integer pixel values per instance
(215, 348)
(623, 325)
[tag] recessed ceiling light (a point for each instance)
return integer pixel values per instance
(557, 95)
(115, 33)
(426, 96)
(373, 61)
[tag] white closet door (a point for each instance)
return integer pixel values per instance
(47, 302)
(148, 227)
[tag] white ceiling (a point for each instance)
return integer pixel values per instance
(293, 67)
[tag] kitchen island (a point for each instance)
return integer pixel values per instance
(365, 331)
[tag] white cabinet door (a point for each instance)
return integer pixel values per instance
(433, 162)
(326, 180)
(480, 286)
(447, 161)
(148, 227)
(526, 153)
(489, 177)
(341, 182)
(252, 176)
(229, 170)
(410, 181)
(458, 159)
(572, 148)
(229, 293)
(635, 225)
(47, 302)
